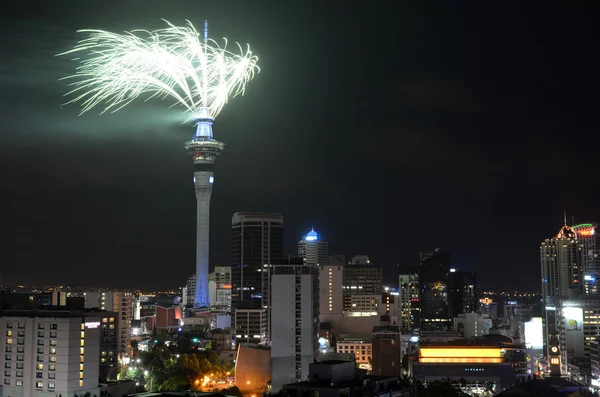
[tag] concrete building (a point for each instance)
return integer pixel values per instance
(250, 326)
(219, 286)
(360, 347)
(387, 351)
(471, 325)
(313, 249)
(338, 378)
(120, 303)
(50, 352)
(252, 368)
(408, 290)
(295, 328)
(577, 325)
(561, 270)
(189, 291)
(331, 297)
(362, 279)
(363, 303)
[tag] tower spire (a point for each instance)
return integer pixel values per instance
(205, 30)
(565, 217)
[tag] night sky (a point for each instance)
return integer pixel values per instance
(390, 129)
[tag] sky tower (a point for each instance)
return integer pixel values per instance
(174, 62)
(204, 150)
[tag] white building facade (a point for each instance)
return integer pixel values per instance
(49, 353)
(471, 325)
(295, 328)
(331, 296)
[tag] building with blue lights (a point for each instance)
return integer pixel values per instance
(312, 249)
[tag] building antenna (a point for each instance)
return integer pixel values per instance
(205, 30)
(565, 217)
(573, 221)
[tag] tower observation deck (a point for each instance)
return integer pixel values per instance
(204, 150)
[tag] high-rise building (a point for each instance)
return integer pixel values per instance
(331, 297)
(250, 326)
(204, 150)
(462, 293)
(295, 327)
(50, 352)
(189, 292)
(220, 286)
(589, 251)
(122, 304)
(409, 290)
(560, 260)
(313, 249)
(256, 245)
(433, 290)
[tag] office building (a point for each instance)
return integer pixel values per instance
(295, 328)
(559, 257)
(256, 245)
(359, 347)
(313, 249)
(120, 303)
(250, 326)
(189, 291)
(434, 267)
(362, 278)
(462, 293)
(408, 290)
(577, 326)
(589, 251)
(471, 325)
(331, 298)
(50, 352)
(387, 351)
(219, 286)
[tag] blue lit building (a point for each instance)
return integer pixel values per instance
(312, 249)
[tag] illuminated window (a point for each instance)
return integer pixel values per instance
(52, 359)
(82, 334)
(52, 342)
(52, 367)
(51, 385)
(81, 350)
(80, 383)
(39, 385)
(82, 326)
(81, 375)
(9, 332)
(40, 367)
(9, 341)
(82, 343)
(81, 367)
(53, 350)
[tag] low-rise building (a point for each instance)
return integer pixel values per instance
(471, 325)
(341, 379)
(360, 347)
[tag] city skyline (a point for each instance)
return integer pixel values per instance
(467, 131)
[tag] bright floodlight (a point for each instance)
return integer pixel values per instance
(171, 62)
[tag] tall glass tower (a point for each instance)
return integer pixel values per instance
(204, 150)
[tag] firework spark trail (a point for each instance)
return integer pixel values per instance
(169, 62)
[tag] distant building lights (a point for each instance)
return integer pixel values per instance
(452, 270)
